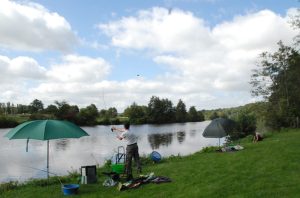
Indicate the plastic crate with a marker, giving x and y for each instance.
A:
(118, 168)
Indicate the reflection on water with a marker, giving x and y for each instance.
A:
(156, 140)
(71, 154)
(62, 144)
(192, 133)
(180, 136)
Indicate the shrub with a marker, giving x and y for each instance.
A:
(7, 122)
(245, 125)
(145, 159)
(39, 116)
(209, 149)
(8, 186)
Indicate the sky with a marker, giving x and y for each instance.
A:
(113, 53)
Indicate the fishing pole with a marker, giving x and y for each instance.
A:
(110, 116)
(95, 159)
(111, 123)
(105, 107)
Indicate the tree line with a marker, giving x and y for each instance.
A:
(276, 79)
(161, 111)
(158, 111)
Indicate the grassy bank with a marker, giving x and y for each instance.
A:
(270, 168)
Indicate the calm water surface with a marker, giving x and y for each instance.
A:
(70, 154)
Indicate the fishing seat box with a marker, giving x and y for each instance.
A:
(89, 173)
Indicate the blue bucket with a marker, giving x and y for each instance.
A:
(70, 189)
(155, 156)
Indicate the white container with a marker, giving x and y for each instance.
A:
(83, 179)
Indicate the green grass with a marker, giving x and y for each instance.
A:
(19, 117)
(270, 168)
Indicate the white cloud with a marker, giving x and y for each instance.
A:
(32, 27)
(215, 62)
(79, 69)
(76, 79)
(160, 30)
(16, 75)
(19, 68)
(253, 31)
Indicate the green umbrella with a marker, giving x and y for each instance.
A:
(46, 130)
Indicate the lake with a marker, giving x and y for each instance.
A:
(70, 154)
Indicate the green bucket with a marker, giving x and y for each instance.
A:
(118, 168)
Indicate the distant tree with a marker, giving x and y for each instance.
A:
(13, 109)
(8, 108)
(103, 113)
(154, 109)
(160, 111)
(295, 21)
(136, 113)
(280, 71)
(66, 111)
(109, 116)
(88, 115)
(22, 108)
(200, 116)
(277, 80)
(245, 125)
(193, 114)
(112, 112)
(214, 115)
(103, 117)
(181, 113)
(36, 106)
(2, 108)
(52, 109)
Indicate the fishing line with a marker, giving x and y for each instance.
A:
(97, 163)
(109, 140)
(103, 98)
(110, 120)
(105, 107)
(46, 172)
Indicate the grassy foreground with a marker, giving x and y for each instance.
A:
(270, 168)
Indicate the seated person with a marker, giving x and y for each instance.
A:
(257, 137)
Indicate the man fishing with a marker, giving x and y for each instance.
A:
(132, 149)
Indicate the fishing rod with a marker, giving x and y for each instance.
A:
(105, 107)
(111, 123)
(97, 163)
(110, 116)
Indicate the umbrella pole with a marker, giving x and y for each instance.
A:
(219, 142)
(47, 159)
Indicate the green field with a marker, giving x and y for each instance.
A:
(270, 168)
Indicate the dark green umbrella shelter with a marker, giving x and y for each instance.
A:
(46, 130)
(218, 128)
